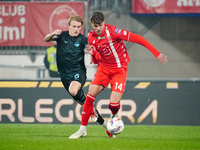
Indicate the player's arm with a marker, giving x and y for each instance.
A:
(142, 41)
(52, 36)
(132, 37)
(95, 57)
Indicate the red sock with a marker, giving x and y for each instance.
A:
(114, 107)
(87, 109)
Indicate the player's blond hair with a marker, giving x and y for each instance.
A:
(76, 18)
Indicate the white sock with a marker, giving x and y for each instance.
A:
(83, 128)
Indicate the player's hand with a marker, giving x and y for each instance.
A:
(52, 36)
(91, 49)
(88, 49)
(57, 32)
(162, 58)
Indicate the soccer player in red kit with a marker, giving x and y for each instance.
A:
(109, 52)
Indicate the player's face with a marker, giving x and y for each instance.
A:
(98, 28)
(74, 28)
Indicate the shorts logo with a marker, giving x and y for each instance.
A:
(154, 3)
(76, 77)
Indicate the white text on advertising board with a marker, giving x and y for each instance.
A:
(44, 111)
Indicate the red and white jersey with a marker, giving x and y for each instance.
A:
(110, 46)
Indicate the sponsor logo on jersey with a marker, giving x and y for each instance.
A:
(76, 77)
(116, 30)
(99, 38)
(120, 31)
(125, 33)
(77, 44)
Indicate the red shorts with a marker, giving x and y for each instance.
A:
(116, 77)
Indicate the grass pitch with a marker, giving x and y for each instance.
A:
(134, 137)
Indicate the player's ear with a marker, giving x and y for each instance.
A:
(103, 23)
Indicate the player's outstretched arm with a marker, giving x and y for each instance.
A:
(162, 58)
(142, 41)
(52, 36)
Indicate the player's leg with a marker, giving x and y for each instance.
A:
(114, 104)
(75, 90)
(97, 85)
(79, 95)
(118, 83)
(94, 90)
(87, 110)
(114, 107)
(101, 80)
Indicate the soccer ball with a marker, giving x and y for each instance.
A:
(115, 125)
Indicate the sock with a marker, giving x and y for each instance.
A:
(80, 96)
(83, 128)
(87, 109)
(114, 107)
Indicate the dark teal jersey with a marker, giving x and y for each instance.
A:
(70, 55)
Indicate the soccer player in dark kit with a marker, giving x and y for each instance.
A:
(70, 61)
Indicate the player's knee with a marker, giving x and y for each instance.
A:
(80, 96)
(95, 89)
(73, 92)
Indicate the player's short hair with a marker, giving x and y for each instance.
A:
(76, 18)
(97, 17)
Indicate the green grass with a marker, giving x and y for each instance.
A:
(55, 137)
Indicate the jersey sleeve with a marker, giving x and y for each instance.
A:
(96, 58)
(59, 36)
(118, 33)
(84, 41)
(142, 41)
(132, 37)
